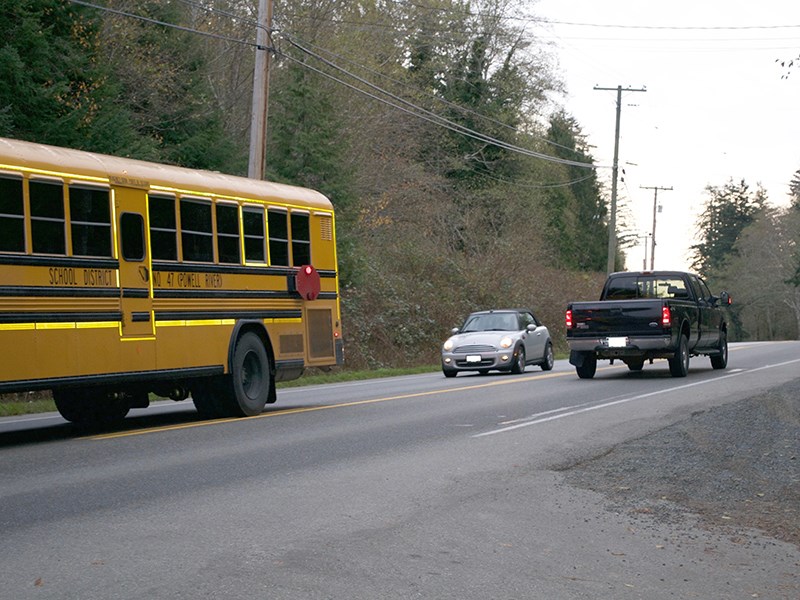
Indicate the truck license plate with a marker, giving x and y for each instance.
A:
(472, 358)
(617, 342)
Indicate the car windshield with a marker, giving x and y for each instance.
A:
(492, 322)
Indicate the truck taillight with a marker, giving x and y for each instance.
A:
(568, 319)
(666, 317)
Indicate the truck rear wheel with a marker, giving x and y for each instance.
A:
(588, 366)
(679, 364)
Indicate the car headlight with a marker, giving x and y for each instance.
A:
(506, 342)
(448, 345)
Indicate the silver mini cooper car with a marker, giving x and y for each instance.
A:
(500, 340)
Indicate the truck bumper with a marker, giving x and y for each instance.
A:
(628, 347)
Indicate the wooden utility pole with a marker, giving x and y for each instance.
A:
(258, 115)
(612, 220)
(655, 205)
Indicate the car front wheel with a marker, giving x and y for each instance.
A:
(549, 359)
(519, 363)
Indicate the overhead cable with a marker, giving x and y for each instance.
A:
(427, 115)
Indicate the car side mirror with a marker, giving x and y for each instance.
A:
(454, 330)
(531, 327)
(725, 298)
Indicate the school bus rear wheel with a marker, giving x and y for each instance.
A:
(249, 382)
(206, 396)
(90, 407)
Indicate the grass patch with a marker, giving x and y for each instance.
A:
(12, 405)
(315, 377)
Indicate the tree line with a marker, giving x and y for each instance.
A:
(752, 248)
(458, 183)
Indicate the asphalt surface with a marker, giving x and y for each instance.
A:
(509, 487)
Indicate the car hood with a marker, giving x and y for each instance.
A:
(482, 338)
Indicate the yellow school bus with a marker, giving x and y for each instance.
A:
(120, 278)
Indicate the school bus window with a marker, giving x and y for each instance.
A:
(12, 215)
(90, 219)
(301, 239)
(197, 236)
(132, 234)
(163, 228)
(228, 233)
(47, 217)
(253, 223)
(278, 237)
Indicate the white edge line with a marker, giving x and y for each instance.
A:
(577, 410)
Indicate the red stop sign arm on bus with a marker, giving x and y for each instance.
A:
(307, 282)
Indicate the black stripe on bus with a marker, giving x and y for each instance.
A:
(112, 378)
(58, 292)
(186, 315)
(177, 267)
(327, 296)
(58, 317)
(212, 268)
(208, 293)
(140, 317)
(290, 365)
(135, 293)
(58, 261)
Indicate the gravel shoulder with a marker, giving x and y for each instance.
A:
(735, 466)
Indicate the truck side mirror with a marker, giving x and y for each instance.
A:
(725, 298)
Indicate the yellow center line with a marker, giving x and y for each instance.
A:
(294, 411)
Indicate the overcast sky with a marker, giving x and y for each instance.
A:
(715, 108)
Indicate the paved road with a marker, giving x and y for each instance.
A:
(410, 487)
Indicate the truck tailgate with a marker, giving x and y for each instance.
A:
(616, 318)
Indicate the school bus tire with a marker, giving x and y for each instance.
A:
(248, 385)
(206, 396)
(89, 407)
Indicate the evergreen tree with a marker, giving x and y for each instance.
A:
(728, 210)
(576, 212)
(160, 76)
(793, 214)
(306, 142)
(53, 84)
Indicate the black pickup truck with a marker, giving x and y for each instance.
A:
(646, 315)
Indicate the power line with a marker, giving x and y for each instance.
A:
(224, 13)
(165, 24)
(453, 105)
(670, 27)
(400, 103)
(430, 116)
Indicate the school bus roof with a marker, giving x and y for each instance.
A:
(67, 163)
